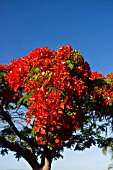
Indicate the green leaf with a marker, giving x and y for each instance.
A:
(58, 47)
(71, 113)
(91, 99)
(110, 166)
(68, 62)
(31, 72)
(32, 132)
(63, 94)
(35, 70)
(24, 99)
(20, 101)
(49, 146)
(110, 104)
(2, 74)
(50, 133)
(71, 66)
(51, 88)
(104, 150)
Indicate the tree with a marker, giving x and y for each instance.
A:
(111, 152)
(109, 149)
(50, 100)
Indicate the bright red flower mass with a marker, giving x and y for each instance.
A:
(57, 85)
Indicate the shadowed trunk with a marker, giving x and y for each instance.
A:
(46, 160)
(47, 164)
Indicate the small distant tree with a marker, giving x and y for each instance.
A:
(111, 152)
(50, 100)
(109, 149)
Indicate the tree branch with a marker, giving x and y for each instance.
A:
(7, 117)
(25, 153)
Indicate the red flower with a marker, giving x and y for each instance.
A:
(55, 84)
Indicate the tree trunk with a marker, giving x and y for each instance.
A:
(47, 164)
(46, 159)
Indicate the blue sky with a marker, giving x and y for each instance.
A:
(85, 24)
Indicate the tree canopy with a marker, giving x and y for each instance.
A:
(50, 100)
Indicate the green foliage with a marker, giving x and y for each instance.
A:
(94, 117)
(49, 146)
(70, 64)
(2, 74)
(32, 132)
(4, 152)
(109, 149)
(100, 81)
(24, 100)
(51, 88)
(104, 150)
(110, 167)
(35, 70)
(18, 156)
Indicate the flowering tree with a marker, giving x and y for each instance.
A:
(50, 100)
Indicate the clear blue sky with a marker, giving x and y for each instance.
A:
(85, 24)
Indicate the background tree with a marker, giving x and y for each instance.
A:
(109, 149)
(50, 100)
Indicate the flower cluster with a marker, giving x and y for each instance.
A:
(6, 93)
(102, 90)
(56, 85)
(57, 82)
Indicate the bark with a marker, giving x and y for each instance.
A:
(46, 159)
(47, 164)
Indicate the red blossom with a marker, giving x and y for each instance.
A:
(60, 82)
